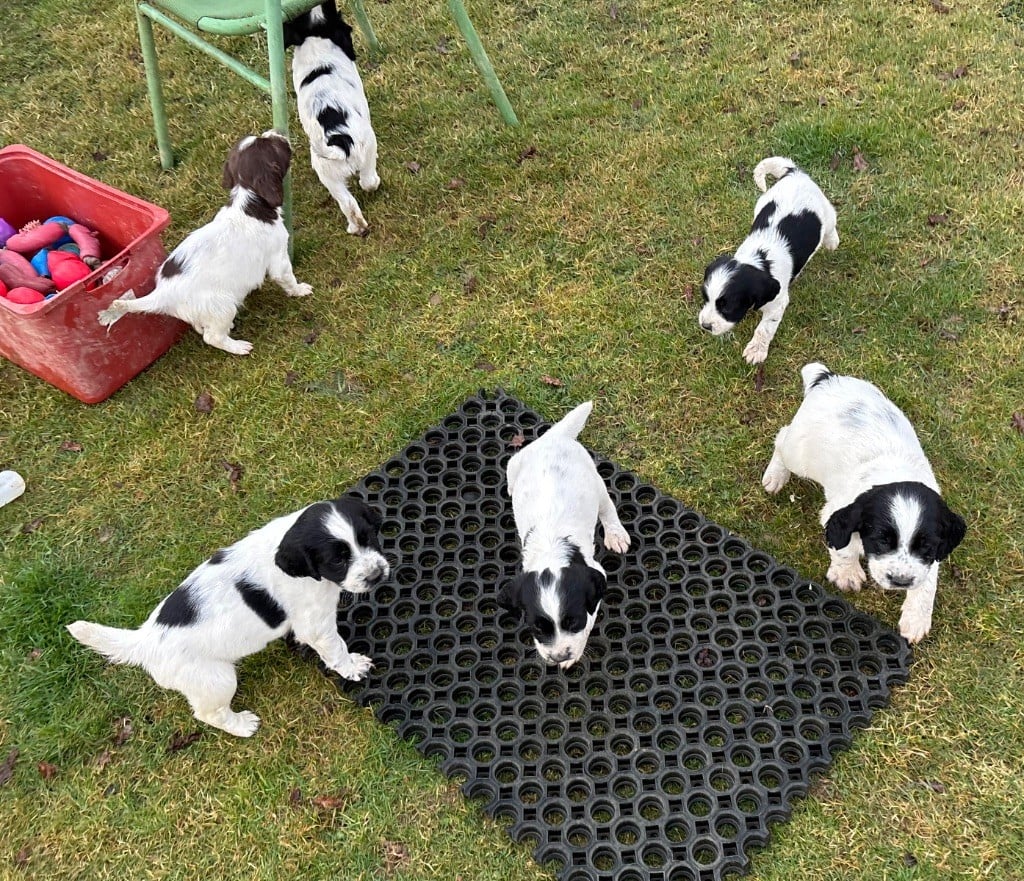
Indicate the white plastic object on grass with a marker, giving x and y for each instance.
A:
(12, 485)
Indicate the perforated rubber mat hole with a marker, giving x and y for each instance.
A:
(716, 683)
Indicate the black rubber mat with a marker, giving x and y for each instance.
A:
(716, 683)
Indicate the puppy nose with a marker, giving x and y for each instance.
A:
(706, 325)
(376, 573)
(899, 580)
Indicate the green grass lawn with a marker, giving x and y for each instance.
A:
(569, 247)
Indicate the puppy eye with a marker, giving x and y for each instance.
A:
(922, 547)
(544, 628)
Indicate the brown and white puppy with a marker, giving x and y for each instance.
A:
(208, 276)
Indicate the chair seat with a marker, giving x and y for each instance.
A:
(232, 17)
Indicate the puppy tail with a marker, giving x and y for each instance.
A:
(572, 423)
(776, 166)
(119, 646)
(814, 374)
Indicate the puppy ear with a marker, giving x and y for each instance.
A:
(296, 555)
(228, 177)
(510, 596)
(843, 524)
(268, 183)
(596, 585)
(952, 531)
(373, 517)
(766, 291)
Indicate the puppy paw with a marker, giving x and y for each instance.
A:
(361, 229)
(370, 184)
(236, 347)
(915, 626)
(243, 724)
(845, 576)
(356, 668)
(775, 478)
(915, 618)
(756, 351)
(108, 316)
(617, 540)
(300, 290)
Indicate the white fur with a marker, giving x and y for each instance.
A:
(558, 495)
(343, 88)
(222, 262)
(793, 193)
(198, 659)
(849, 437)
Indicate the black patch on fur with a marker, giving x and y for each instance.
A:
(822, 377)
(218, 557)
(308, 550)
(316, 73)
(764, 217)
(938, 531)
(171, 267)
(333, 28)
(261, 602)
(179, 609)
(333, 120)
(580, 588)
(802, 233)
(747, 287)
(259, 209)
(342, 141)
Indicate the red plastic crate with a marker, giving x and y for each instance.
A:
(60, 340)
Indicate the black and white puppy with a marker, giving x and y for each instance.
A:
(208, 276)
(791, 221)
(557, 499)
(332, 107)
(881, 498)
(285, 576)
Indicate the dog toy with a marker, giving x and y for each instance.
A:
(24, 296)
(55, 232)
(65, 269)
(13, 278)
(35, 235)
(16, 271)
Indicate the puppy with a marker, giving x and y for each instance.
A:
(332, 107)
(557, 499)
(881, 497)
(285, 576)
(791, 221)
(208, 276)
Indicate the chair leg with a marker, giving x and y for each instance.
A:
(483, 63)
(156, 94)
(278, 68)
(363, 20)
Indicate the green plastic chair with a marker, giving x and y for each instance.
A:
(184, 18)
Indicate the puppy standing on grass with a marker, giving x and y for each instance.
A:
(557, 499)
(881, 498)
(287, 575)
(791, 221)
(208, 276)
(332, 107)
